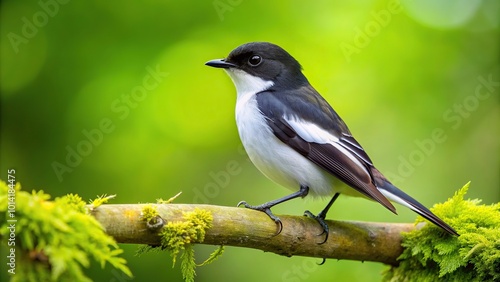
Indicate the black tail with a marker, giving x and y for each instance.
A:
(398, 196)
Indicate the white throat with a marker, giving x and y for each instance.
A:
(246, 84)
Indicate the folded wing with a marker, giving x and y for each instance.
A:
(322, 137)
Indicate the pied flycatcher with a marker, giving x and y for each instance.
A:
(295, 138)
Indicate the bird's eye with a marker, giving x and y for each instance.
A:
(255, 60)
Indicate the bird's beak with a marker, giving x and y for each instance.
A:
(220, 63)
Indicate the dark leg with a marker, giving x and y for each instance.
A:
(320, 218)
(266, 207)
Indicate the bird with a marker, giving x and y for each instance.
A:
(295, 138)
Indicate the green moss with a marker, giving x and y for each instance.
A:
(74, 201)
(169, 201)
(149, 212)
(431, 255)
(188, 264)
(213, 256)
(151, 216)
(100, 200)
(54, 240)
(177, 237)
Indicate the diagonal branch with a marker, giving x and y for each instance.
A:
(362, 241)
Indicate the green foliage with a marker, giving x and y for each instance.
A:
(431, 255)
(54, 239)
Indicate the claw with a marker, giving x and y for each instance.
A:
(264, 208)
(242, 203)
(279, 224)
(321, 220)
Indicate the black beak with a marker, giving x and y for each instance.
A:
(220, 63)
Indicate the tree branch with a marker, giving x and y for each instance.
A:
(240, 227)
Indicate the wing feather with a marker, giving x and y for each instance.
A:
(325, 139)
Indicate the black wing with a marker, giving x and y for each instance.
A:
(315, 110)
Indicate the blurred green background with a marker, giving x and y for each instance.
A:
(113, 97)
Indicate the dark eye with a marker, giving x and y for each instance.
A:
(255, 60)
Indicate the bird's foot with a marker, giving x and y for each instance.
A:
(266, 208)
(320, 218)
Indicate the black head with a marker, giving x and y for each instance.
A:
(266, 61)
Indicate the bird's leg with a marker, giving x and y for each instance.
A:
(320, 218)
(266, 207)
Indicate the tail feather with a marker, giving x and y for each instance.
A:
(400, 197)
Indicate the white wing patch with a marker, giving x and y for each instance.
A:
(314, 134)
(311, 132)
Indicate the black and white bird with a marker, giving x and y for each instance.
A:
(295, 138)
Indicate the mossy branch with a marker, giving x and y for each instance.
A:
(56, 239)
(240, 227)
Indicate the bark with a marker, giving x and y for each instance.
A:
(240, 227)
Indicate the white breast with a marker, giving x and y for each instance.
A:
(272, 157)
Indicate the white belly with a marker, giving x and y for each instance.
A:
(275, 159)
